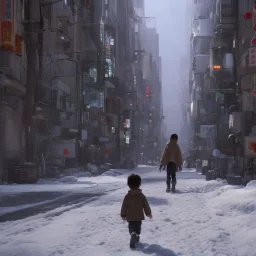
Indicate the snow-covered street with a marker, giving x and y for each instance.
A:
(202, 218)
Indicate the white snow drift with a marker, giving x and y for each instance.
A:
(201, 219)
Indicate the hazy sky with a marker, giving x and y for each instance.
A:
(171, 26)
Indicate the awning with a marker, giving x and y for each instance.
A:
(12, 83)
(109, 85)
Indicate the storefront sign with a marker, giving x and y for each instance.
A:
(7, 25)
(250, 146)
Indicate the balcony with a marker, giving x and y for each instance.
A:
(225, 14)
(12, 65)
(202, 27)
(94, 99)
(202, 11)
(222, 64)
(113, 105)
(47, 113)
(201, 63)
(201, 45)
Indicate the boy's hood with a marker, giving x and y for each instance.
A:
(134, 192)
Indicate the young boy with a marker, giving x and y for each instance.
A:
(171, 158)
(134, 205)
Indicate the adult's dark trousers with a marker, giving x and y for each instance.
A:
(171, 174)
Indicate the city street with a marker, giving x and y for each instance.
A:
(202, 218)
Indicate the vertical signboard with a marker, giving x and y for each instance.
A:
(252, 56)
(18, 44)
(250, 146)
(7, 25)
(8, 39)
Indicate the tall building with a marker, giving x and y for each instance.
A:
(221, 85)
(79, 84)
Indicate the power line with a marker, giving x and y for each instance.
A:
(57, 29)
(50, 2)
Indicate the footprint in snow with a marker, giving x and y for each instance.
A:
(167, 220)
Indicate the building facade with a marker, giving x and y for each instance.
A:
(79, 84)
(221, 87)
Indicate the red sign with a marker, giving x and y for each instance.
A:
(252, 146)
(107, 150)
(248, 15)
(65, 152)
(7, 25)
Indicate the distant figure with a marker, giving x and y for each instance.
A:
(171, 158)
(134, 205)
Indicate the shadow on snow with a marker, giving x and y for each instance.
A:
(156, 249)
(157, 200)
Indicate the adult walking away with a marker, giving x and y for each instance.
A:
(172, 159)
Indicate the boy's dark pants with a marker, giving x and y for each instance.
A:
(171, 174)
(135, 226)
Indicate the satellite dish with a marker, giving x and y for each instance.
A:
(215, 153)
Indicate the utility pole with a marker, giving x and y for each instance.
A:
(32, 25)
(2, 131)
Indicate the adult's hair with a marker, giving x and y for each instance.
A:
(134, 181)
(174, 136)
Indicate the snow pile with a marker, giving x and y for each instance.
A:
(65, 179)
(251, 185)
(201, 219)
(209, 186)
(92, 168)
(83, 174)
(47, 181)
(79, 172)
(73, 171)
(68, 179)
(235, 200)
(113, 173)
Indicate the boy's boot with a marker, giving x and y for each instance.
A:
(173, 186)
(133, 240)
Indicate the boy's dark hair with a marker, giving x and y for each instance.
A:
(134, 181)
(174, 137)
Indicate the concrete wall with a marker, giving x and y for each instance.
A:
(14, 146)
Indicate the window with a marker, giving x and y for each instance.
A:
(69, 3)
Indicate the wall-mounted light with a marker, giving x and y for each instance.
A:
(216, 67)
